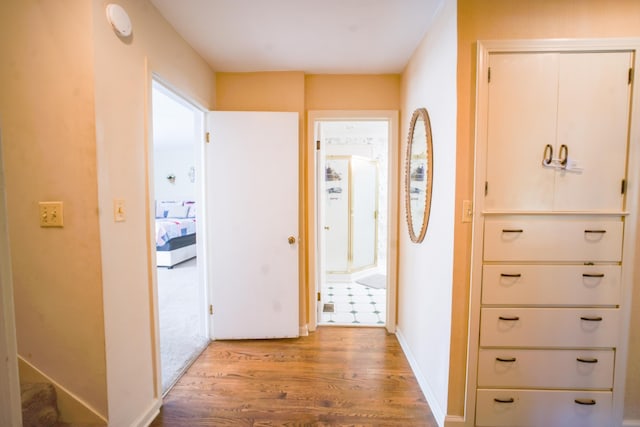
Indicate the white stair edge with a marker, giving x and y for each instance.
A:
(67, 399)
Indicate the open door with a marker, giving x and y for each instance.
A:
(252, 217)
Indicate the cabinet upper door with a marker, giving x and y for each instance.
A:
(577, 104)
(522, 113)
(593, 123)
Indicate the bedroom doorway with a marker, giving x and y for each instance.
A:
(352, 217)
(177, 197)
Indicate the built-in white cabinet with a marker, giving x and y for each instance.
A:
(557, 126)
(549, 245)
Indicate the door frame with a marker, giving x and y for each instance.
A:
(150, 207)
(631, 209)
(393, 206)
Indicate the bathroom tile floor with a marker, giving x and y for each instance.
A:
(353, 304)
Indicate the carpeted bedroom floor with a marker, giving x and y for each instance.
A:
(182, 336)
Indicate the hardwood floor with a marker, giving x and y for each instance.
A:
(336, 376)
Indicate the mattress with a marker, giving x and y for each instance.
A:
(168, 229)
(177, 243)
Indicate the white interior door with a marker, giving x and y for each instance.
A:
(252, 212)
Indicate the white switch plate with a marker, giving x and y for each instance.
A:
(119, 210)
(467, 211)
(51, 214)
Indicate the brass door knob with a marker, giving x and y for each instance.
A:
(291, 240)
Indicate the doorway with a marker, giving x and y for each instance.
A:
(352, 211)
(177, 195)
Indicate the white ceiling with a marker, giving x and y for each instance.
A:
(325, 36)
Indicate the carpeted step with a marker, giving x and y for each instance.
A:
(39, 405)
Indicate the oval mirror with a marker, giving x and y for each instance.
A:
(418, 175)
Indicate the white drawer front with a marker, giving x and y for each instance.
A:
(549, 327)
(551, 285)
(533, 408)
(562, 239)
(578, 369)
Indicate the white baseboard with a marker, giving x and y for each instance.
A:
(150, 414)
(631, 423)
(303, 330)
(438, 413)
(454, 421)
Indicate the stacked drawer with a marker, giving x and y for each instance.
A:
(549, 320)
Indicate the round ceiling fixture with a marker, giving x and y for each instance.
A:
(119, 20)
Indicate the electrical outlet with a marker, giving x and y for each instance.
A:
(119, 210)
(51, 214)
(467, 211)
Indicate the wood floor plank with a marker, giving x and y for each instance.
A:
(337, 376)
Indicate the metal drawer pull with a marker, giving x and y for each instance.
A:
(509, 400)
(512, 230)
(592, 274)
(564, 155)
(595, 231)
(514, 318)
(587, 360)
(585, 401)
(547, 156)
(510, 275)
(591, 318)
(506, 359)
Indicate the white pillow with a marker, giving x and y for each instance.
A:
(177, 211)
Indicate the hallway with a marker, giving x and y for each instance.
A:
(335, 376)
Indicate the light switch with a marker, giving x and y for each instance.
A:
(119, 210)
(51, 214)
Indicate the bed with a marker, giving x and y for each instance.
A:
(175, 236)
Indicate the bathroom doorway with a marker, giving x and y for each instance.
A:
(352, 203)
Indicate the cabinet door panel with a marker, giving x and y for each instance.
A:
(568, 369)
(551, 284)
(533, 408)
(593, 122)
(521, 121)
(549, 327)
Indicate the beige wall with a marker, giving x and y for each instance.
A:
(262, 91)
(76, 133)
(295, 91)
(425, 269)
(352, 92)
(122, 93)
(48, 133)
(507, 19)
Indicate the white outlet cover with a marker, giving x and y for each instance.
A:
(119, 20)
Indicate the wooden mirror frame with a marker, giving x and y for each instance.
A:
(420, 115)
